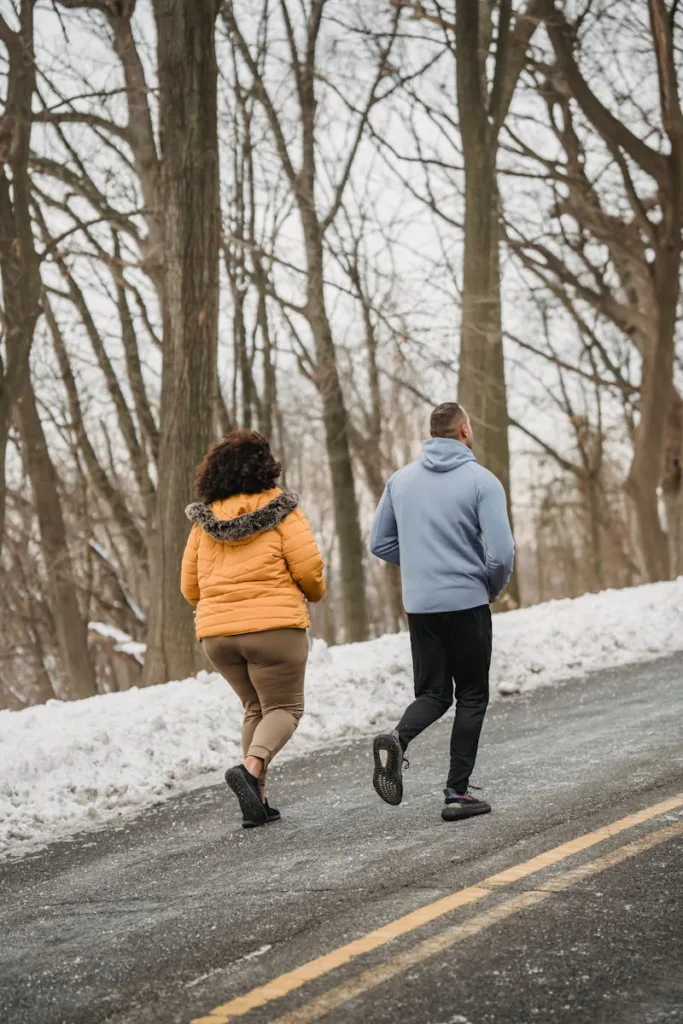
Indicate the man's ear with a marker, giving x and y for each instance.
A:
(431, 433)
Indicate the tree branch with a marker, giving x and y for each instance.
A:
(108, 7)
(416, 7)
(9, 37)
(111, 494)
(594, 378)
(548, 449)
(262, 94)
(81, 117)
(500, 73)
(561, 37)
(662, 38)
(526, 23)
(294, 53)
(360, 130)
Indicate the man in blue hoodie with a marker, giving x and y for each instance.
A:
(443, 519)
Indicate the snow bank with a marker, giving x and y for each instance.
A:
(68, 766)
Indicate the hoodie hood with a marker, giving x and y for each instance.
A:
(246, 524)
(442, 454)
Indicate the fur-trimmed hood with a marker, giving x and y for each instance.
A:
(246, 525)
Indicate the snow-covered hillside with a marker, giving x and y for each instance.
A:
(68, 766)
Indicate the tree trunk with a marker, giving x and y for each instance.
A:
(269, 402)
(656, 394)
(75, 668)
(351, 549)
(190, 185)
(482, 388)
(479, 299)
(672, 483)
(593, 510)
(673, 502)
(329, 622)
(335, 420)
(19, 264)
(395, 610)
(223, 422)
(242, 360)
(481, 381)
(646, 467)
(496, 437)
(650, 540)
(656, 390)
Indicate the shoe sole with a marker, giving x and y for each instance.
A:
(388, 779)
(268, 821)
(453, 814)
(253, 810)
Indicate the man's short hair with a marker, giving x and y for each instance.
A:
(446, 419)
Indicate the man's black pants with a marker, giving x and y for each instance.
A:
(450, 648)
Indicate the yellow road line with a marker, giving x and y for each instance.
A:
(322, 965)
(336, 997)
(609, 860)
(550, 857)
(291, 980)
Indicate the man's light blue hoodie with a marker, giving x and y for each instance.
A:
(444, 520)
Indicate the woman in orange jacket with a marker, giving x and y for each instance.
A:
(250, 564)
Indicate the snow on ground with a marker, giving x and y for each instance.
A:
(69, 766)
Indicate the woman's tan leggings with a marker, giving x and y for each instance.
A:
(266, 671)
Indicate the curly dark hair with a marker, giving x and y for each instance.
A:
(240, 463)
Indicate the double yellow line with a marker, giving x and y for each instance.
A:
(317, 968)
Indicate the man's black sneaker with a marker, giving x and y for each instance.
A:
(271, 815)
(245, 787)
(462, 805)
(388, 775)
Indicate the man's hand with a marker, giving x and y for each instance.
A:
(492, 599)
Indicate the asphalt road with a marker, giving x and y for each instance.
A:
(178, 911)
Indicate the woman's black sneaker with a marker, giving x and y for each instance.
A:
(271, 815)
(245, 786)
(388, 775)
(462, 805)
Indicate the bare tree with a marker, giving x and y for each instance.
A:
(373, 413)
(644, 248)
(579, 454)
(20, 267)
(248, 248)
(488, 43)
(179, 189)
(75, 667)
(483, 105)
(19, 263)
(190, 187)
(303, 172)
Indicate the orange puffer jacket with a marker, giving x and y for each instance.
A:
(250, 563)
